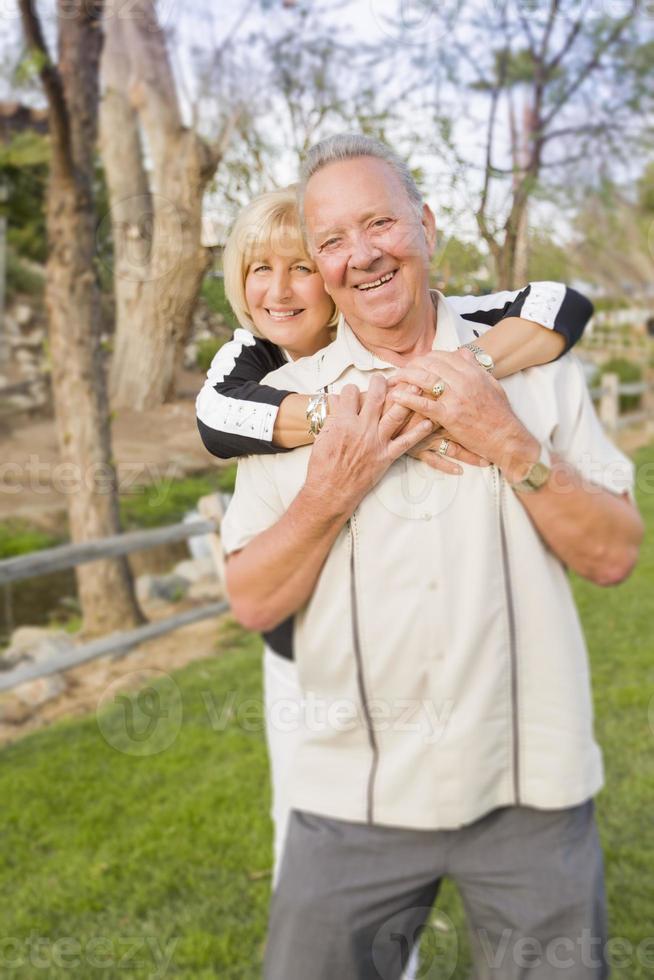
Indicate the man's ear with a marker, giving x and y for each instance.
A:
(428, 222)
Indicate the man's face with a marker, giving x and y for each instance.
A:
(371, 247)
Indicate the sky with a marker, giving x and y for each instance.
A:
(408, 25)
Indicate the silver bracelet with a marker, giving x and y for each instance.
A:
(317, 411)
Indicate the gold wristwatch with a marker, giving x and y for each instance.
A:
(483, 359)
(537, 475)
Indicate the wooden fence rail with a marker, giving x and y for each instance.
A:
(70, 555)
(117, 643)
(608, 395)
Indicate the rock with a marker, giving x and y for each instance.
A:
(206, 590)
(35, 693)
(20, 402)
(166, 588)
(11, 327)
(23, 356)
(37, 644)
(196, 569)
(22, 314)
(190, 356)
(14, 712)
(34, 338)
(32, 370)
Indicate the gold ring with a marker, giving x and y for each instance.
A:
(443, 447)
(438, 389)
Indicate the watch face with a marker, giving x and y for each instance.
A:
(485, 360)
(539, 475)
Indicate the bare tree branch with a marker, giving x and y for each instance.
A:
(551, 19)
(591, 65)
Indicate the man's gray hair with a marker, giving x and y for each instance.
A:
(351, 146)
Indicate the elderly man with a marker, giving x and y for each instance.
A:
(438, 645)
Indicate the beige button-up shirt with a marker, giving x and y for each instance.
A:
(441, 657)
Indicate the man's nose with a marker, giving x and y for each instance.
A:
(363, 252)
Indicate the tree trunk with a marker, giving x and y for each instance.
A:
(73, 305)
(527, 160)
(154, 304)
(160, 261)
(72, 300)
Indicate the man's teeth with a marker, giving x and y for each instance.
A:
(377, 282)
(283, 314)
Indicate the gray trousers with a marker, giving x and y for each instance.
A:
(353, 899)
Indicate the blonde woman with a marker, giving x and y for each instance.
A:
(279, 299)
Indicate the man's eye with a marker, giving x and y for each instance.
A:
(380, 222)
(330, 243)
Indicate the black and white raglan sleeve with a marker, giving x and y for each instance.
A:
(235, 412)
(550, 304)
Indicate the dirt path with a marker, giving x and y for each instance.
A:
(89, 683)
(150, 448)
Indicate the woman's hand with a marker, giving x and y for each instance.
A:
(357, 444)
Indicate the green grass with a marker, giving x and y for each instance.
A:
(18, 537)
(168, 501)
(165, 848)
(98, 842)
(154, 506)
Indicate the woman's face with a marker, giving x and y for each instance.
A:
(288, 303)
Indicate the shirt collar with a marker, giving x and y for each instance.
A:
(347, 351)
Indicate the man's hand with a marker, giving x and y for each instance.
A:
(357, 444)
(474, 409)
(427, 450)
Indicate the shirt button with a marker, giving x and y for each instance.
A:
(432, 586)
(426, 517)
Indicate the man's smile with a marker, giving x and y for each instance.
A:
(376, 283)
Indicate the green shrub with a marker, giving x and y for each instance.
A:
(607, 304)
(167, 501)
(206, 352)
(628, 372)
(20, 279)
(213, 292)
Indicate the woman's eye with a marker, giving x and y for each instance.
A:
(304, 268)
(260, 268)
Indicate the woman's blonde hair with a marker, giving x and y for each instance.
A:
(270, 221)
